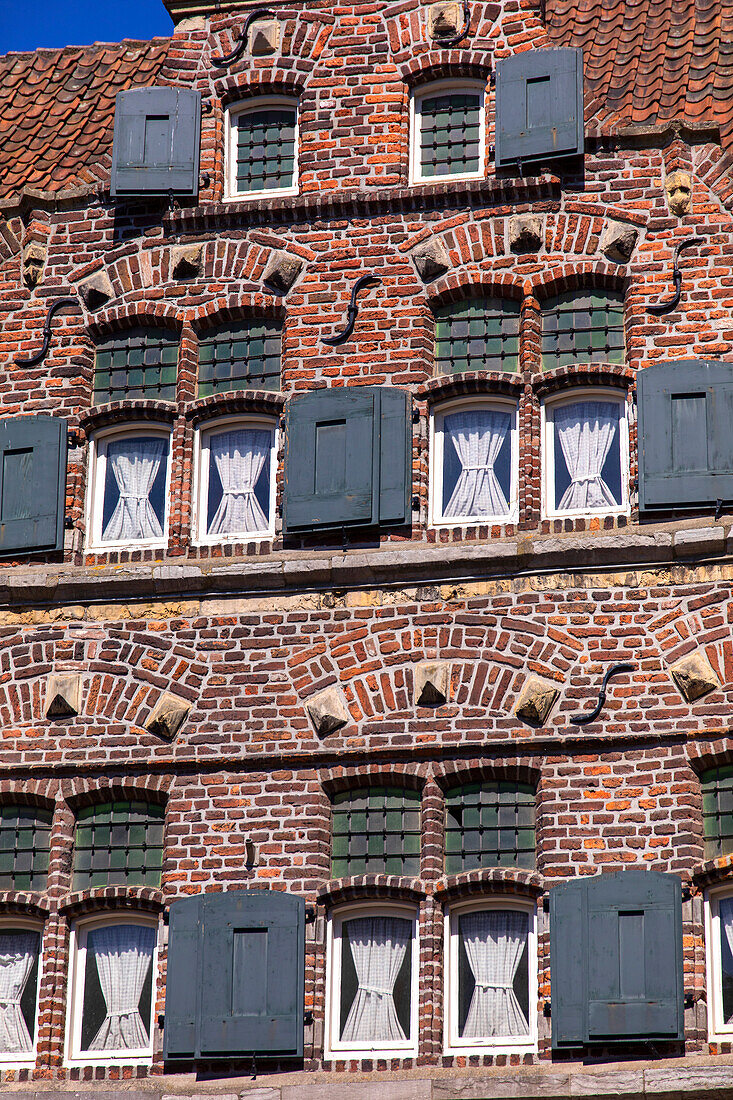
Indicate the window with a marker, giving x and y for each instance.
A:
(448, 132)
(263, 148)
(491, 976)
(20, 952)
(236, 480)
(25, 837)
(719, 952)
(128, 487)
(717, 811)
(376, 830)
(112, 989)
(586, 459)
(141, 363)
(583, 328)
(243, 356)
(489, 824)
(118, 844)
(477, 334)
(372, 981)
(474, 463)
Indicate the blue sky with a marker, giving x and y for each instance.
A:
(29, 24)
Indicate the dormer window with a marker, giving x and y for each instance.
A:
(263, 148)
(448, 132)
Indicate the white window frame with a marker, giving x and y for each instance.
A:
(25, 924)
(584, 393)
(201, 476)
(80, 930)
(334, 1048)
(452, 1042)
(718, 1031)
(96, 476)
(437, 446)
(249, 106)
(427, 92)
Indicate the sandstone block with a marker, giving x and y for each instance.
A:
(327, 710)
(96, 290)
(282, 270)
(34, 261)
(264, 37)
(431, 681)
(187, 261)
(618, 242)
(694, 676)
(678, 189)
(525, 233)
(444, 20)
(536, 700)
(168, 716)
(431, 260)
(63, 694)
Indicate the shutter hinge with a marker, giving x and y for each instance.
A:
(68, 523)
(73, 437)
(547, 1009)
(416, 503)
(204, 180)
(718, 508)
(310, 914)
(546, 903)
(492, 78)
(308, 1017)
(161, 1020)
(166, 916)
(415, 416)
(206, 106)
(689, 1000)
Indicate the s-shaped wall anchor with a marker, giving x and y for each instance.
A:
(451, 42)
(230, 58)
(343, 336)
(669, 305)
(41, 355)
(584, 719)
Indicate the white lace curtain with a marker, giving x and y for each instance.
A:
(477, 437)
(135, 464)
(123, 954)
(18, 951)
(494, 941)
(586, 431)
(378, 946)
(239, 457)
(725, 909)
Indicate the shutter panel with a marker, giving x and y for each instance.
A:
(685, 441)
(252, 967)
(539, 105)
(156, 142)
(395, 456)
(32, 484)
(182, 979)
(568, 956)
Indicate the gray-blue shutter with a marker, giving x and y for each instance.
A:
(252, 974)
(568, 958)
(395, 455)
(539, 105)
(685, 440)
(157, 139)
(32, 484)
(182, 981)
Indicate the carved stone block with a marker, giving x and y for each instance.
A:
(96, 290)
(431, 260)
(187, 261)
(678, 189)
(168, 716)
(282, 270)
(63, 695)
(264, 37)
(618, 242)
(328, 711)
(536, 700)
(525, 233)
(694, 676)
(34, 261)
(431, 683)
(444, 20)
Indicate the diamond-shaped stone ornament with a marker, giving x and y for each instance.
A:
(282, 270)
(168, 715)
(694, 676)
(264, 37)
(63, 694)
(444, 20)
(431, 682)
(96, 290)
(328, 711)
(431, 260)
(536, 700)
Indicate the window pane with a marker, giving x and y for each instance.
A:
(25, 833)
(375, 980)
(384, 841)
(116, 1009)
(477, 334)
(239, 481)
(473, 839)
(106, 854)
(587, 448)
(19, 950)
(241, 356)
(717, 811)
(477, 464)
(583, 328)
(142, 362)
(725, 910)
(265, 149)
(450, 134)
(134, 488)
(493, 974)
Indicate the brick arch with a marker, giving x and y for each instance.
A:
(454, 773)
(409, 42)
(568, 275)
(472, 283)
(32, 792)
(339, 779)
(303, 37)
(84, 791)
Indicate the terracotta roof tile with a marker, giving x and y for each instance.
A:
(57, 109)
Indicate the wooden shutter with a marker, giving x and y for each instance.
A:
(568, 956)
(32, 484)
(539, 105)
(395, 455)
(156, 142)
(685, 438)
(182, 981)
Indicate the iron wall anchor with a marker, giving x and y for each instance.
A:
(584, 719)
(230, 58)
(451, 42)
(669, 305)
(343, 336)
(41, 355)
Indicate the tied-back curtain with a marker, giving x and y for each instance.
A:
(135, 464)
(18, 952)
(123, 953)
(494, 941)
(378, 946)
(725, 909)
(239, 457)
(477, 437)
(586, 431)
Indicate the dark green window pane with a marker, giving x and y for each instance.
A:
(477, 334)
(145, 365)
(381, 839)
(489, 824)
(450, 134)
(586, 328)
(717, 811)
(266, 149)
(25, 834)
(120, 843)
(237, 357)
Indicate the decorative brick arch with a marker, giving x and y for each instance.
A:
(83, 791)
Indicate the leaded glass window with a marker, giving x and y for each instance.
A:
(477, 334)
(142, 362)
(265, 145)
(449, 133)
(583, 328)
(25, 836)
(489, 824)
(717, 811)
(118, 844)
(241, 356)
(376, 830)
